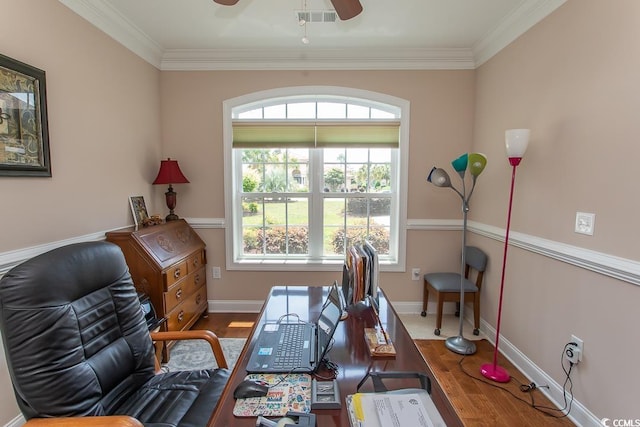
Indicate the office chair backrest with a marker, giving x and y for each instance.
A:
(476, 258)
(73, 329)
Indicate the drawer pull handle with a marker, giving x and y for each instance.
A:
(196, 262)
(196, 279)
(176, 273)
(180, 316)
(198, 299)
(179, 294)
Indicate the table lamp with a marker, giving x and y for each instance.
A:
(170, 173)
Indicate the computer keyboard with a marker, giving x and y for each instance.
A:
(289, 353)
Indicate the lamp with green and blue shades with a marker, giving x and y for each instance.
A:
(476, 163)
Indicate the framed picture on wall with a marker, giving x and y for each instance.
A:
(24, 133)
(138, 209)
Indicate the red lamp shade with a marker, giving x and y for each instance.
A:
(170, 173)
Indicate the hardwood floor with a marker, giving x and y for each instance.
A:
(228, 325)
(477, 404)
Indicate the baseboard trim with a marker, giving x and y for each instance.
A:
(235, 306)
(579, 414)
(18, 421)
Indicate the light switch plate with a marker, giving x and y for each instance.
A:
(585, 223)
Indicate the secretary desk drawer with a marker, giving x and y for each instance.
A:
(181, 290)
(175, 273)
(184, 312)
(196, 261)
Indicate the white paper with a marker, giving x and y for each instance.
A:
(401, 410)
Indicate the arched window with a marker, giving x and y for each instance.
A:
(313, 172)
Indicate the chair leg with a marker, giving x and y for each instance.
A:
(425, 299)
(439, 314)
(476, 314)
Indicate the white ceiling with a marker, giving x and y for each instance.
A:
(265, 34)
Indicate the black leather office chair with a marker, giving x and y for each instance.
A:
(77, 345)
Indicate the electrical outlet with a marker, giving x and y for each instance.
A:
(415, 274)
(574, 351)
(217, 274)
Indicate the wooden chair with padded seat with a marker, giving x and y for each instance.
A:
(446, 287)
(79, 351)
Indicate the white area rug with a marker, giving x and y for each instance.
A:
(196, 354)
(422, 327)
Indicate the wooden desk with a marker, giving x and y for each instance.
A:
(349, 352)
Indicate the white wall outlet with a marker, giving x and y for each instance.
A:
(415, 274)
(217, 274)
(585, 223)
(574, 350)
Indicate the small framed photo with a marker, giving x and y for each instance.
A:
(138, 209)
(24, 130)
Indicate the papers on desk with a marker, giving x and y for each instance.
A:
(394, 409)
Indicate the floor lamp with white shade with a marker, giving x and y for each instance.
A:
(516, 141)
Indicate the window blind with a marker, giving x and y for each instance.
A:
(264, 134)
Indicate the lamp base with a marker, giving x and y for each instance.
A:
(460, 345)
(171, 217)
(495, 373)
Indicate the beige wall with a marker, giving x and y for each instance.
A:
(104, 129)
(572, 80)
(442, 104)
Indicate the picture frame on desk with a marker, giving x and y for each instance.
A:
(138, 210)
(24, 129)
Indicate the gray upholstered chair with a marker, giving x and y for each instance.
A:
(446, 287)
(79, 351)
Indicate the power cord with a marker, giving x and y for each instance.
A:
(529, 388)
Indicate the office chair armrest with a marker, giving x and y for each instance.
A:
(208, 336)
(106, 421)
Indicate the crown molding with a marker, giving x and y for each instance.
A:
(513, 26)
(317, 59)
(110, 21)
(106, 18)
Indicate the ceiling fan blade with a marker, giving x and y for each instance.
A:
(347, 9)
(226, 2)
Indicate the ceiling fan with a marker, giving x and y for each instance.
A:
(346, 9)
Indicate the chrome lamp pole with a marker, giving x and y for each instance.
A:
(476, 163)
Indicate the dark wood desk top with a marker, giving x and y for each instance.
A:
(349, 352)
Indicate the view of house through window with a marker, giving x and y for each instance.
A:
(313, 178)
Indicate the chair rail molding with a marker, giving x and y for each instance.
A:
(609, 265)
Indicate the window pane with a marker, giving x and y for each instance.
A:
(275, 179)
(380, 155)
(333, 219)
(275, 112)
(298, 170)
(252, 177)
(357, 112)
(379, 114)
(334, 155)
(380, 178)
(301, 110)
(334, 178)
(332, 110)
(251, 114)
(358, 155)
(357, 177)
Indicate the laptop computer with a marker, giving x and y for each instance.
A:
(296, 347)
